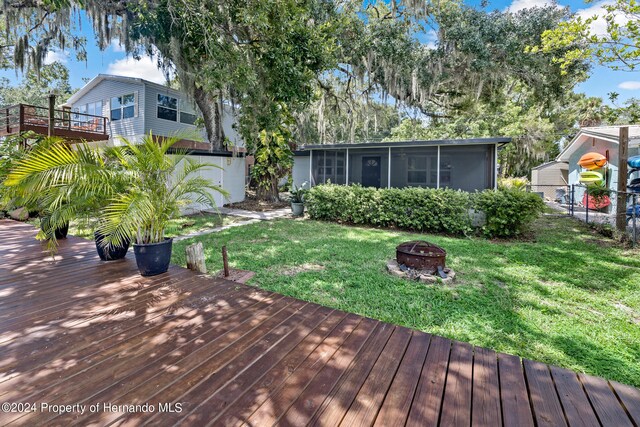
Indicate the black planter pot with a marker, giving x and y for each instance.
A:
(60, 233)
(110, 253)
(153, 258)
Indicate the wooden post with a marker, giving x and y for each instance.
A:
(623, 156)
(195, 258)
(225, 261)
(52, 114)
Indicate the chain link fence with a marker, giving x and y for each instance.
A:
(597, 207)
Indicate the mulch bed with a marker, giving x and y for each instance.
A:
(251, 203)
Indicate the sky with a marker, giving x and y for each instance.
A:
(114, 60)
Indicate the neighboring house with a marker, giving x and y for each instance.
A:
(465, 164)
(546, 177)
(134, 107)
(603, 140)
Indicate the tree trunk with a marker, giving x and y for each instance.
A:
(621, 203)
(270, 193)
(211, 110)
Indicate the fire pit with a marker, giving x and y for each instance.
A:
(420, 260)
(421, 255)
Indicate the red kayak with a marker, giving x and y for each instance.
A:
(591, 161)
(596, 203)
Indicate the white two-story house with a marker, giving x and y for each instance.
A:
(134, 107)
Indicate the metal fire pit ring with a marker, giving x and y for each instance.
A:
(421, 255)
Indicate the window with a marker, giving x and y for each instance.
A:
(123, 107)
(422, 170)
(95, 109)
(167, 108)
(187, 114)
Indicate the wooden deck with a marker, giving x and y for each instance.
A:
(77, 331)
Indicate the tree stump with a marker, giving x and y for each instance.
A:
(195, 258)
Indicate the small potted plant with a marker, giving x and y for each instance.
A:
(296, 197)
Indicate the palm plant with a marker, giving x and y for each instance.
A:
(131, 190)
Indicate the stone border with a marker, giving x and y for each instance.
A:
(394, 269)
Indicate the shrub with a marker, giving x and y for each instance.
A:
(419, 209)
(508, 211)
(424, 209)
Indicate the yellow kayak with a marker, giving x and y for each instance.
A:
(591, 177)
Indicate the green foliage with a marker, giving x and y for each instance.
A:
(133, 190)
(35, 87)
(273, 161)
(578, 39)
(508, 211)
(519, 184)
(12, 150)
(419, 209)
(297, 194)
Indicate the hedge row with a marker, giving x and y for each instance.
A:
(424, 209)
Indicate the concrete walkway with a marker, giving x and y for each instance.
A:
(251, 217)
(268, 215)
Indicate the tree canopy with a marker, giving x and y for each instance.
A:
(331, 71)
(611, 38)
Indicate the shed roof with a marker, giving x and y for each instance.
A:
(551, 163)
(414, 143)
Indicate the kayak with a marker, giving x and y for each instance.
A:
(630, 211)
(596, 202)
(592, 161)
(591, 177)
(633, 162)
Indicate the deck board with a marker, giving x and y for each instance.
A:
(77, 330)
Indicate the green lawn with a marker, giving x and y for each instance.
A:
(570, 297)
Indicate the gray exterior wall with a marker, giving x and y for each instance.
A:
(107, 89)
(166, 127)
(300, 171)
(146, 118)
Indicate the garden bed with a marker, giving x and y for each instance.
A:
(560, 299)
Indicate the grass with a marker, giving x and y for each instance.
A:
(569, 297)
(177, 227)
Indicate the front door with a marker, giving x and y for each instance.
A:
(371, 171)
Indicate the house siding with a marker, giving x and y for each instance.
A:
(546, 179)
(107, 89)
(166, 127)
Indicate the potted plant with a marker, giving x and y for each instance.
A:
(296, 197)
(140, 186)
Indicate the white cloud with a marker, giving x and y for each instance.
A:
(519, 5)
(431, 39)
(116, 46)
(599, 26)
(630, 85)
(146, 68)
(56, 56)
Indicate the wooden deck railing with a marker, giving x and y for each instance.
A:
(19, 118)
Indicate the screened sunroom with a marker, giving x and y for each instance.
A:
(468, 164)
